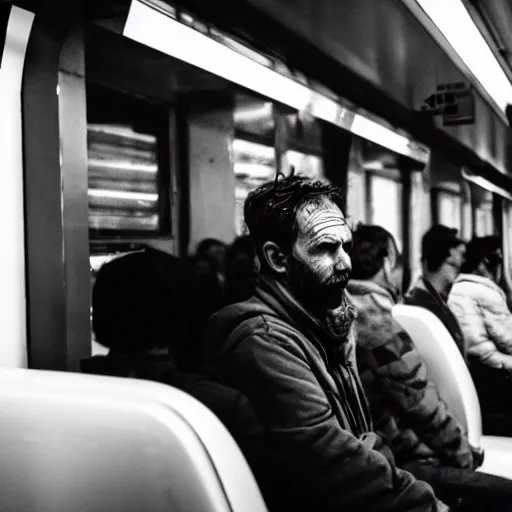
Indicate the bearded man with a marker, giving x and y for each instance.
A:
(290, 350)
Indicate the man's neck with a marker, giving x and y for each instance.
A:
(439, 283)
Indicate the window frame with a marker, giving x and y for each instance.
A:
(163, 126)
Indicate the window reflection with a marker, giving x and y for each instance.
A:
(450, 209)
(484, 223)
(254, 164)
(386, 206)
(123, 173)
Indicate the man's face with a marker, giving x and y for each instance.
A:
(319, 267)
(452, 265)
(217, 254)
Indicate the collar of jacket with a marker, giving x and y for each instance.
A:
(384, 297)
(484, 281)
(424, 284)
(277, 297)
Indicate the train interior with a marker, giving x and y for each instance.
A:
(155, 144)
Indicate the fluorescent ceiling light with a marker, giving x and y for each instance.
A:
(485, 184)
(453, 20)
(153, 28)
(379, 134)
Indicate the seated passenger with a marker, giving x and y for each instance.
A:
(208, 297)
(141, 305)
(240, 270)
(214, 251)
(424, 437)
(481, 305)
(289, 349)
(442, 255)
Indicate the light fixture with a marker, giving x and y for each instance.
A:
(454, 21)
(153, 28)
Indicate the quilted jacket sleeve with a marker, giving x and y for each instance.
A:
(323, 466)
(486, 322)
(397, 364)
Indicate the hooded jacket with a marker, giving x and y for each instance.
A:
(481, 308)
(406, 407)
(306, 392)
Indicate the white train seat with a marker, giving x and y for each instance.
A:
(448, 371)
(102, 444)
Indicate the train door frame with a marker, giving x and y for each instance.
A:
(55, 208)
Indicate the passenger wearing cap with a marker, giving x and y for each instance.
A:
(442, 256)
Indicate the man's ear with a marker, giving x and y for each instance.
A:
(274, 258)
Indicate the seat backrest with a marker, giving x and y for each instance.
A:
(445, 365)
(98, 444)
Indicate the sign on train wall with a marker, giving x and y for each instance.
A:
(455, 102)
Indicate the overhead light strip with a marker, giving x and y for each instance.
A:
(454, 22)
(485, 184)
(155, 29)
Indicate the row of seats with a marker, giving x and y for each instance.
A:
(73, 442)
(98, 444)
(450, 374)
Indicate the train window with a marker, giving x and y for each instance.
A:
(302, 164)
(356, 198)
(267, 135)
(128, 165)
(254, 118)
(484, 222)
(449, 205)
(254, 164)
(386, 205)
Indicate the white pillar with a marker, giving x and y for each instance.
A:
(13, 325)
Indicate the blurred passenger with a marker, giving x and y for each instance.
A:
(141, 311)
(240, 270)
(289, 349)
(208, 298)
(214, 251)
(442, 256)
(481, 305)
(423, 435)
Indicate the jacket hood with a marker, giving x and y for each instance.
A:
(359, 289)
(222, 324)
(480, 280)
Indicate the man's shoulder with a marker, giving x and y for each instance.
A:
(267, 328)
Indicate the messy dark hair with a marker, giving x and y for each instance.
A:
(482, 249)
(370, 247)
(271, 210)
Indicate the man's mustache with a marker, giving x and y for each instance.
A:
(340, 279)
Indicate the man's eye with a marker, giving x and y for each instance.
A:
(328, 246)
(348, 246)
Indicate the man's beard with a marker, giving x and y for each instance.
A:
(324, 299)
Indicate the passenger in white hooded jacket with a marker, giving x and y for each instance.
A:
(481, 305)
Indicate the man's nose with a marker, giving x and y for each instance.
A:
(343, 261)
